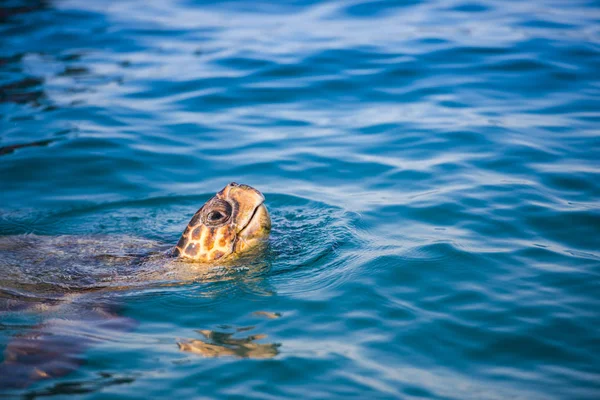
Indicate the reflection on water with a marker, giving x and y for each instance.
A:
(267, 314)
(82, 387)
(222, 344)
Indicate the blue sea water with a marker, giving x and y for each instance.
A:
(431, 168)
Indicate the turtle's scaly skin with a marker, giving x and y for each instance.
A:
(233, 221)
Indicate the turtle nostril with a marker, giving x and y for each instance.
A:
(233, 184)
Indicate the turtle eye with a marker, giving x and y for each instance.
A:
(217, 212)
(214, 216)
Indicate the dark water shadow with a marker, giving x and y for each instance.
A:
(4, 150)
(9, 10)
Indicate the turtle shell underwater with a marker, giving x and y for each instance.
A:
(55, 272)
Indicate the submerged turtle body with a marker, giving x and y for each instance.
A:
(230, 224)
(43, 272)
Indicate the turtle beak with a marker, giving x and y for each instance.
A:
(244, 200)
(250, 218)
(256, 230)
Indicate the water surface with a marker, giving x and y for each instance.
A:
(431, 168)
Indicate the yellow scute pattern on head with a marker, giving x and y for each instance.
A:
(233, 221)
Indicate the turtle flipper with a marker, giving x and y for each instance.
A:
(56, 347)
(40, 354)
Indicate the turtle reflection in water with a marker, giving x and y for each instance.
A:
(66, 274)
(219, 344)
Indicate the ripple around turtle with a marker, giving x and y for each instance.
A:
(308, 242)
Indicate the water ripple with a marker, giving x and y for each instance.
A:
(430, 168)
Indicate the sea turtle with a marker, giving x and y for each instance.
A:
(67, 273)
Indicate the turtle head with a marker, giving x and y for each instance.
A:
(234, 221)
